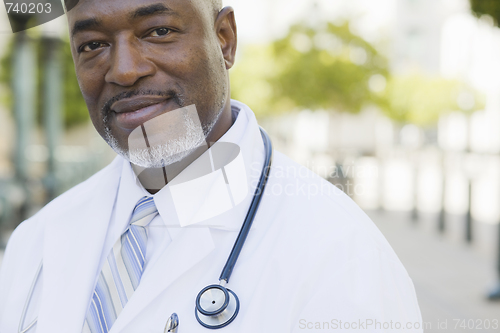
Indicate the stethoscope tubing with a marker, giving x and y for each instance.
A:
(216, 318)
(254, 206)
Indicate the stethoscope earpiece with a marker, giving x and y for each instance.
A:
(216, 306)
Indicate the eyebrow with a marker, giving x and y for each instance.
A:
(93, 23)
(85, 25)
(154, 9)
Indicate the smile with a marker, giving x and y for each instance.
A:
(131, 113)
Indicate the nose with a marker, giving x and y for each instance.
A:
(128, 64)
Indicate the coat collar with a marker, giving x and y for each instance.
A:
(74, 237)
(73, 256)
(217, 198)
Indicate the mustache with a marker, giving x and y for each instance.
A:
(172, 94)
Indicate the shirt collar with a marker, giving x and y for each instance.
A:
(205, 201)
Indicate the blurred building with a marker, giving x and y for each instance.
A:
(416, 36)
(417, 42)
(405, 168)
(401, 167)
(451, 169)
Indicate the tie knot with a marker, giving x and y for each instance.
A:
(144, 212)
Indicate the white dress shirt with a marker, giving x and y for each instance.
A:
(159, 231)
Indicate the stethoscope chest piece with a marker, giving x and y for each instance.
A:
(216, 306)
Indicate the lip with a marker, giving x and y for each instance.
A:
(132, 112)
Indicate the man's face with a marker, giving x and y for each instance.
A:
(138, 59)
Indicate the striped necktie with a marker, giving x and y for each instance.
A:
(122, 271)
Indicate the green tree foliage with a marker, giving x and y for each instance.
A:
(74, 108)
(486, 7)
(326, 68)
(250, 78)
(420, 99)
(333, 69)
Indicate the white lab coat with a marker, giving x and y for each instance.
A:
(311, 260)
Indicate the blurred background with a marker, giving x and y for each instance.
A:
(396, 102)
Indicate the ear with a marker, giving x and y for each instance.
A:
(225, 28)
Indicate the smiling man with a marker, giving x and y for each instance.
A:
(134, 244)
(132, 66)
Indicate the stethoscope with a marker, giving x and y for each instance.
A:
(216, 305)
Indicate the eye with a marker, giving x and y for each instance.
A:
(92, 46)
(160, 32)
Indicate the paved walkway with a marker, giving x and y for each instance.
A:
(451, 279)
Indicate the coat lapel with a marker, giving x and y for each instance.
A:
(189, 246)
(73, 245)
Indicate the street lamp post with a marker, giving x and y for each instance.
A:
(442, 211)
(53, 100)
(494, 295)
(24, 74)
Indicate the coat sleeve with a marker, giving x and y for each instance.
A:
(373, 293)
(14, 248)
(17, 270)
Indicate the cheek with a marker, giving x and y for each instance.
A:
(186, 61)
(91, 90)
(91, 82)
(183, 66)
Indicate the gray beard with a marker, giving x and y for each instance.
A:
(169, 152)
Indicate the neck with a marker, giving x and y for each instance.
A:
(154, 179)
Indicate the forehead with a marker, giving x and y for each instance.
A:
(110, 9)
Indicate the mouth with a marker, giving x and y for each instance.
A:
(131, 113)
